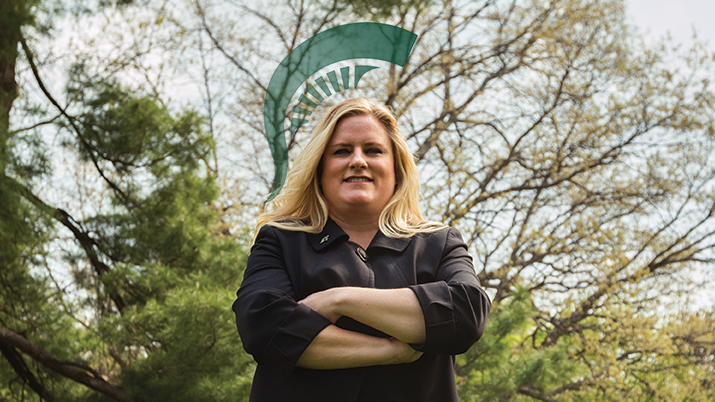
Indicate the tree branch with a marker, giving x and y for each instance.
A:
(525, 390)
(20, 367)
(87, 243)
(75, 371)
(70, 119)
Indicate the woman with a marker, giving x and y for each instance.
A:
(349, 294)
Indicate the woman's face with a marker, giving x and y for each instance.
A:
(358, 166)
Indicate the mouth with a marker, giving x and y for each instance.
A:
(358, 179)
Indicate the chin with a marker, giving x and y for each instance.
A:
(359, 202)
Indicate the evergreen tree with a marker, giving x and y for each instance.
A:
(146, 314)
(576, 161)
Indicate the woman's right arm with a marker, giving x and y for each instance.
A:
(273, 327)
(337, 348)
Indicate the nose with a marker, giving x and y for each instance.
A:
(358, 159)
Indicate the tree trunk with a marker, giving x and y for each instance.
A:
(13, 15)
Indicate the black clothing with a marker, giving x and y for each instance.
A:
(287, 266)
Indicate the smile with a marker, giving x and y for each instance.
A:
(358, 179)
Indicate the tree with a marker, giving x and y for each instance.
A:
(135, 307)
(575, 160)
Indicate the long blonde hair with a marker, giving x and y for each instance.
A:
(301, 206)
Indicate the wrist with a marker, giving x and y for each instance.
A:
(350, 300)
(341, 300)
(338, 302)
(398, 352)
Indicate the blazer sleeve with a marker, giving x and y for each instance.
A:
(455, 306)
(273, 327)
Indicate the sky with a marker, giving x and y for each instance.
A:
(658, 17)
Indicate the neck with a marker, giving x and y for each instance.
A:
(360, 229)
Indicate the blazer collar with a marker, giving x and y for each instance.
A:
(332, 232)
(396, 244)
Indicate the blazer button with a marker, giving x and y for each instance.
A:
(362, 254)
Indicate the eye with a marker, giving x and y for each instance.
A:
(341, 151)
(374, 151)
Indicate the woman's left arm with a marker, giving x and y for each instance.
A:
(396, 312)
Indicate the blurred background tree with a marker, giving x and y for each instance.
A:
(577, 162)
(117, 288)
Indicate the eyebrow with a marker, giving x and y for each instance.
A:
(347, 144)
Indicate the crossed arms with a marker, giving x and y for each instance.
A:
(444, 315)
(396, 312)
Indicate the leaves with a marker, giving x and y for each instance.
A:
(574, 159)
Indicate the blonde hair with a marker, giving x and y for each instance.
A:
(301, 206)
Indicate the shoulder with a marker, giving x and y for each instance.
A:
(448, 244)
(275, 232)
(444, 236)
(431, 247)
(279, 240)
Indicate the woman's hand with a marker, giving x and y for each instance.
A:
(403, 353)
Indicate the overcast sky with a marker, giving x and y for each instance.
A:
(675, 16)
(658, 17)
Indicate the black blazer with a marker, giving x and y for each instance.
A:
(286, 266)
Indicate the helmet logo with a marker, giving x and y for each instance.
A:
(365, 40)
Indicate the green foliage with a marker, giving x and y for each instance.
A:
(514, 361)
(14, 14)
(133, 132)
(504, 360)
(193, 353)
(162, 270)
(173, 269)
(30, 304)
(576, 161)
(27, 157)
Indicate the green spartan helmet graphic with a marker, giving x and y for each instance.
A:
(365, 40)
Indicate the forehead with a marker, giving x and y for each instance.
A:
(360, 129)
